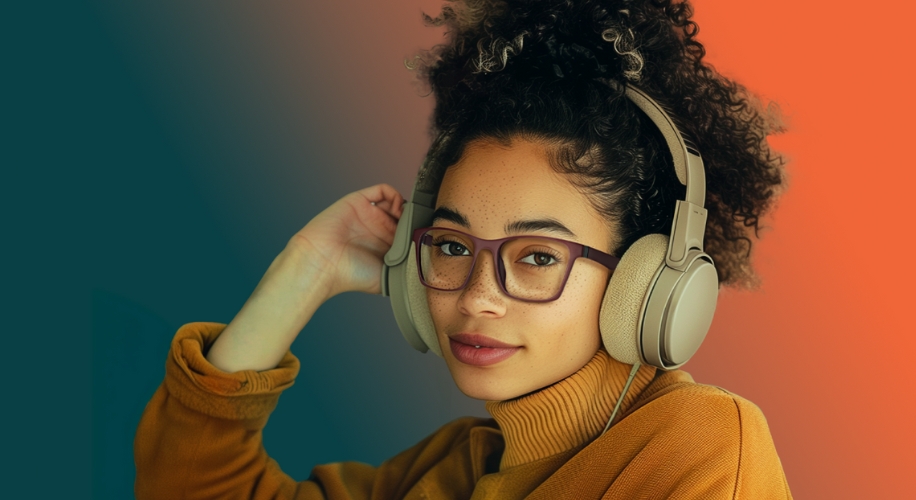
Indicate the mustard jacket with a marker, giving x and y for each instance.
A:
(200, 437)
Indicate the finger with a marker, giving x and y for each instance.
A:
(398, 208)
(380, 193)
(393, 208)
(385, 197)
(382, 224)
(388, 224)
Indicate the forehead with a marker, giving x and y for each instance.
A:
(494, 184)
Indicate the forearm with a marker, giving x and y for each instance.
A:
(279, 308)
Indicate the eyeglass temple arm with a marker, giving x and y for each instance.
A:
(606, 260)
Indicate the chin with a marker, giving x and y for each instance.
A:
(484, 392)
(490, 385)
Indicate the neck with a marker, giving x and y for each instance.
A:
(568, 414)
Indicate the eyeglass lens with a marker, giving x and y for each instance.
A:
(535, 268)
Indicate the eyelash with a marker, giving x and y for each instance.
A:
(442, 242)
(548, 252)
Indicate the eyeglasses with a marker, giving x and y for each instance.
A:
(528, 268)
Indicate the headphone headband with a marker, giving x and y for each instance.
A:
(688, 164)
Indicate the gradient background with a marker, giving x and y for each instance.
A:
(157, 156)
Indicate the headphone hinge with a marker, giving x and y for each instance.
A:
(687, 231)
(417, 213)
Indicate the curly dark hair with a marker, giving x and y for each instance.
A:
(542, 70)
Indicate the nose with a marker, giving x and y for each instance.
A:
(482, 297)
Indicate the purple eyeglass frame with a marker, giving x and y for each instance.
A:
(576, 250)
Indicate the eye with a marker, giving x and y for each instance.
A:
(539, 259)
(453, 248)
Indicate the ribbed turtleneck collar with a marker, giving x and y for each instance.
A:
(568, 414)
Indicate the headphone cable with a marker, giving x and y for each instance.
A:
(626, 388)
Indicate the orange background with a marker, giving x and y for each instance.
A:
(824, 347)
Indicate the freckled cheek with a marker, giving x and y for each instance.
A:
(555, 324)
(441, 307)
(584, 292)
(572, 320)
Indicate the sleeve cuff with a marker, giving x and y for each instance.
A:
(202, 387)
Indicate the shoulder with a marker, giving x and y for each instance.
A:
(674, 400)
(718, 438)
(696, 422)
(686, 403)
(705, 416)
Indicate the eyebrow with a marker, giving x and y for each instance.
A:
(515, 227)
(450, 215)
(528, 226)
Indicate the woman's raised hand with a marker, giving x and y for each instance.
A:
(348, 241)
(340, 250)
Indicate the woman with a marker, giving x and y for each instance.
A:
(552, 185)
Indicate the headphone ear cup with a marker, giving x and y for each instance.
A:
(620, 319)
(418, 305)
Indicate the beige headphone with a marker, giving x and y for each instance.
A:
(659, 301)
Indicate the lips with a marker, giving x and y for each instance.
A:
(479, 350)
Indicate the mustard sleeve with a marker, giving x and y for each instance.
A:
(720, 447)
(693, 442)
(716, 445)
(200, 435)
(760, 472)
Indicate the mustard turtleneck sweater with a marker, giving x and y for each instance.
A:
(200, 437)
(568, 414)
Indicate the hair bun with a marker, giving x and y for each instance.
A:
(557, 38)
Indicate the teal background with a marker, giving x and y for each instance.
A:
(158, 155)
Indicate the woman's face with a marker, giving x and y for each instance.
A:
(489, 189)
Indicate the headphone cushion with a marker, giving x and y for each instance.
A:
(418, 305)
(620, 320)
